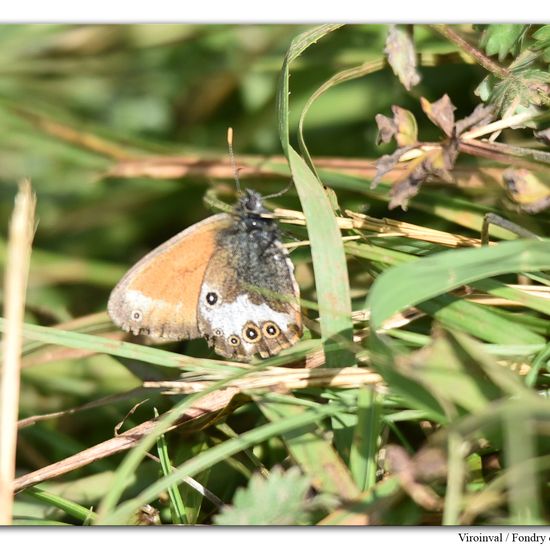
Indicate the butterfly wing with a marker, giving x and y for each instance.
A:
(158, 296)
(249, 300)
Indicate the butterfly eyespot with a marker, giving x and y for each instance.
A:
(234, 340)
(270, 330)
(137, 315)
(251, 333)
(211, 298)
(217, 332)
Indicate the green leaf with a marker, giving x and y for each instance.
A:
(542, 34)
(496, 288)
(385, 355)
(329, 262)
(414, 282)
(485, 88)
(503, 39)
(525, 88)
(480, 321)
(193, 498)
(364, 450)
(507, 382)
(278, 500)
(73, 509)
(177, 508)
(525, 487)
(542, 37)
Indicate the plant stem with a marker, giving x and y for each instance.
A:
(479, 57)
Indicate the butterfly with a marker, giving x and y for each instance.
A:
(227, 278)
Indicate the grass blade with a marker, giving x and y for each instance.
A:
(121, 349)
(297, 47)
(407, 285)
(479, 321)
(364, 449)
(329, 262)
(331, 275)
(523, 485)
(177, 508)
(73, 509)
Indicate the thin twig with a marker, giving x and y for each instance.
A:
(15, 284)
(268, 167)
(465, 46)
(496, 152)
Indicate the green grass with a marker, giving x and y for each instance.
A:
(456, 339)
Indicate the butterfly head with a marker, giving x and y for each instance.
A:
(251, 203)
(249, 212)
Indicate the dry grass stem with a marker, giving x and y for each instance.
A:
(283, 380)
(384, 227)
(256, 167)
(21, 232)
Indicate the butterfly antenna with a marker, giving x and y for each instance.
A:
(232, 156)
(279, 193)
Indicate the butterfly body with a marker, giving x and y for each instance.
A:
(227, 278)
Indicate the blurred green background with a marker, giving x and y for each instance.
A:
(174, 89)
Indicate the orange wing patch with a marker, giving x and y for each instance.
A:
(159, 294)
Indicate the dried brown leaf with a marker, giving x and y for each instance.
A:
(402, 56)
(405, 190)
(528, 190)
(439, 162)
(480, 116)
(417, 161)
(543, 135)
(434, 163)
(405, 468)
(398, 459)
(441, 113)
(430, 463)
(402, 127)
(386, 163)
(386, 129)
(146, 515)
